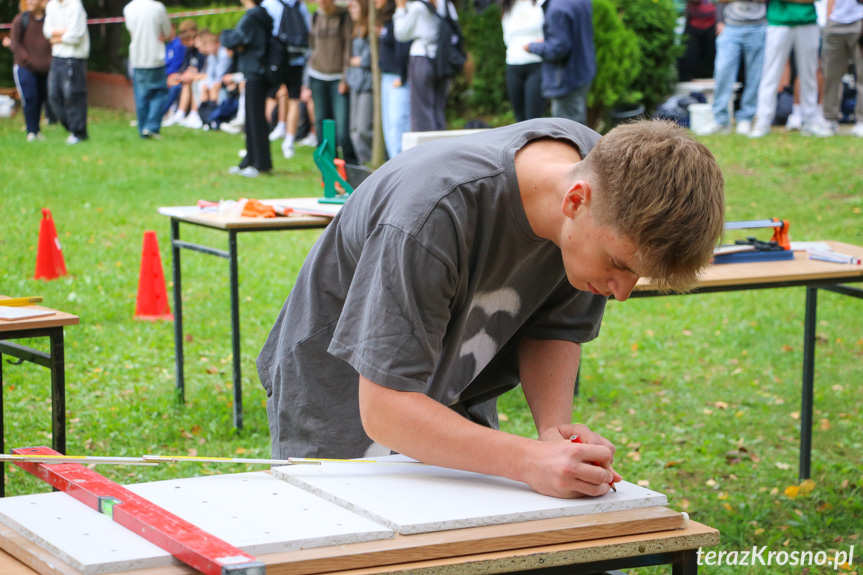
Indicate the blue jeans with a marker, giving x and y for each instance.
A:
(151, 92)
(572, 106)
(736, 42)
(395, 111)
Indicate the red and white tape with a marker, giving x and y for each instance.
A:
(120, 19)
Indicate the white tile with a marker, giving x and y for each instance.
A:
(423, 498)
(253, 511)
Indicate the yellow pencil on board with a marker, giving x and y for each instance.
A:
(20, 301)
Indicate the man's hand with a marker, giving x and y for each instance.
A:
(343, 87)
(560, 468)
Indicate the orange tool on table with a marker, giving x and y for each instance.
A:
(576, 439)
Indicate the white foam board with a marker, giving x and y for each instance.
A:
(253, 511)
(414, 498)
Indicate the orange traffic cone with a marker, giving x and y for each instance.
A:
(49, 257)
(152, 295)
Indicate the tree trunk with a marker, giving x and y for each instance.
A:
(378, 149)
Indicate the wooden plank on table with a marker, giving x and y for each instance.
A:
(474, 540)
(30, 557)
(655, 529)
(694, 536)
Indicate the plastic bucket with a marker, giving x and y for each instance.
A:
(7, 104)
(700, 115)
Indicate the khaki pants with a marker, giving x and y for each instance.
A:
(840, 46)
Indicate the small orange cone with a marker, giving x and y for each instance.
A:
(152, 295)
(49, 257)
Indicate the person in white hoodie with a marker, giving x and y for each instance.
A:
(522, 22)
(66, 28)
(149, 27)
(413, 21)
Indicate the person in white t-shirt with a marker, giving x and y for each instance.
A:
(522, 24)
(65, 27)
(149, 27)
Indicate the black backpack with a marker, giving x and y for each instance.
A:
(293, 32)
(450, 58)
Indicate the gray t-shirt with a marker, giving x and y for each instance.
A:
(426, 281)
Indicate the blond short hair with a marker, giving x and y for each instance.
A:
(662, 189)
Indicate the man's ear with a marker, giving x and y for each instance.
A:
(576, 197)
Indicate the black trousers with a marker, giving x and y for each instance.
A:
(257, 129)
(67, 94)
(524, 86)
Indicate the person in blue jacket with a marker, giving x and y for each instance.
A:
(568, 57)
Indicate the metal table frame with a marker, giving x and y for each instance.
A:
(812, 286)
(231, 255)
(53, 360)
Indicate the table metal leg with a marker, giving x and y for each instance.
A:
(178, 310)
(2, 434)
(685, 563)
(808, 381)
(235, 329)
(58, 391)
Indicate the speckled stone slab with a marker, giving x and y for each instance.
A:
(253, 511)
(423, 498)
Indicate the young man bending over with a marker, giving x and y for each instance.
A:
(466, 266)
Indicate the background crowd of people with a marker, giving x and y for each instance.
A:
(197, 79)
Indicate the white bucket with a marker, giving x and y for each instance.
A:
(700, 115)
(7, 104)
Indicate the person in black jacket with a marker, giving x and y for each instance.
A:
(249, 41)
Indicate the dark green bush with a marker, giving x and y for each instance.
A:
(618, 63)
(485, 95)
(653, 23)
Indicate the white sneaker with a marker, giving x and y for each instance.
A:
(713, 128)
(287, 150)
(857, 130)
(72, 140)
(31, 137)
(278, 133)
(744, 127)
(816, 129)
(174, 119)
(759, 131)
(234, 170)
(230, 128)
(193, 120)
(794, 122)
(311, 140)
(250, 172)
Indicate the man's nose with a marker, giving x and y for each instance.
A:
(622, 286)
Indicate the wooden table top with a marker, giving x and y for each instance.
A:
(801, 268)
(693, 536)
(240, 223)
(59, 318)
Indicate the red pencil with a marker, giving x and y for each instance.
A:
(575, 439)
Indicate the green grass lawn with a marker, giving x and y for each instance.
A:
(700, 394)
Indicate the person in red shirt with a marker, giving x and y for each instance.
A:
(700, 33)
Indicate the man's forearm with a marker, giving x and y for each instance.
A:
(420, 427)
(548, 369)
